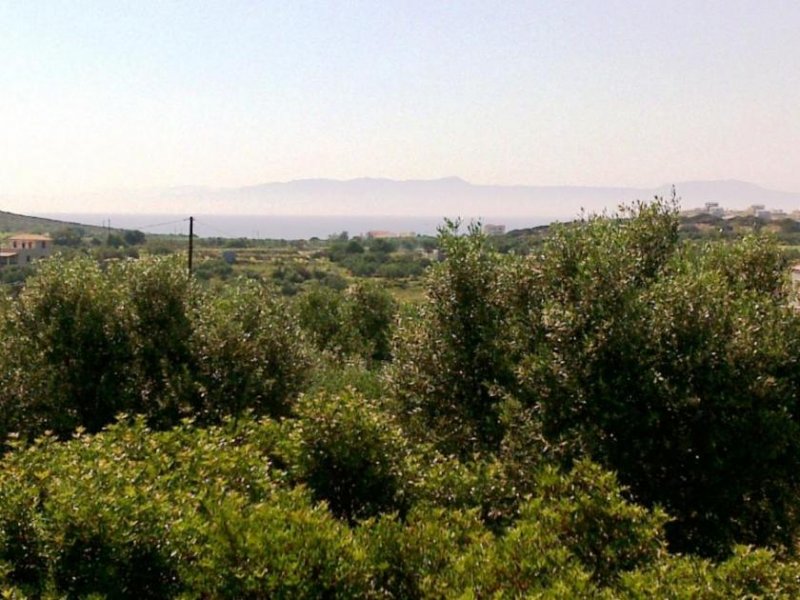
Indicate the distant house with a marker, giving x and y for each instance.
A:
(490, 229)
(377, 235)
(22, 248)
(796, 275)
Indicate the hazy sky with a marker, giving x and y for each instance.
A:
(137, 94)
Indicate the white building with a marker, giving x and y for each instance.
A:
(22, 248)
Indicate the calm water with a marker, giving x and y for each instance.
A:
(273, 227)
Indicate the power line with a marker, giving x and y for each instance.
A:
(163, 224)
(217, 229)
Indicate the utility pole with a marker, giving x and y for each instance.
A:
(191, 240)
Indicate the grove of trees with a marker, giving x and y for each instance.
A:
(615, 415)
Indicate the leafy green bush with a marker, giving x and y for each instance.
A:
(356, 322)
(213, 269)
(321, 313)
(350, 453)
(68, 349)
(248, 354)
(411, 558)
(371, 312)
(160, 302)
(451, 361)
(189, 512)
(84, 343)
(207, 512)
(675, 367)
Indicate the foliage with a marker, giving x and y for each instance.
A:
(15, 274)
(134, 237)
(371, 311)
(379, 257)
(191, 512)
(211, 512)
(452, 358)
(68, 236)
(247, 354)
(321, 313)
(83, 344)
(213, 269)
(68, 350)
(160, 302)
(674, 367)
(574, 422)
(350, 453)
(356, 322)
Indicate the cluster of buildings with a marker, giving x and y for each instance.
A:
(755, 210)
(22, 248)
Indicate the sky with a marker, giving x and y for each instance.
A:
(113, 95)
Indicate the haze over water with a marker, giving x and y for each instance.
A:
(275, 226)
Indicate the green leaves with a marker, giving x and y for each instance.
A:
(674, 366)
(83, 344)
(452, 360)
(350, 453)
(205, 512)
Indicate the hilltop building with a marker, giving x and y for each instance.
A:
(759, 211)
(713, 208)
(22, 248)
(490, 229)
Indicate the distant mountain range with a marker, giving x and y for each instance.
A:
(447, 197)
(453, 197)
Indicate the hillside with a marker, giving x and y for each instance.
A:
(11, 222)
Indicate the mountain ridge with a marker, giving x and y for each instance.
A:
(442, 197)
(454, 196)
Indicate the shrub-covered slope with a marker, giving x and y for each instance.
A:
(615, 416)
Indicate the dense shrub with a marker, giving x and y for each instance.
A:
(68, 347)
(412, 558)
(213, 269)
(160, 302)
(84, 343)
(673, 364)
(675, 367)
(371, 312)
(476, 455)
(355, 322)
(195, 512)
(321, 313)
(248, 354)
(350, 453)
(452, 359)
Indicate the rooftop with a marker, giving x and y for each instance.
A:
(31, 237)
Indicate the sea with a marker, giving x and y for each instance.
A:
(284, 227)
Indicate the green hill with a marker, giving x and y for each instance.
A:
(11, 222)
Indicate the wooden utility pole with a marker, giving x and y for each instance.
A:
(191, 242)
